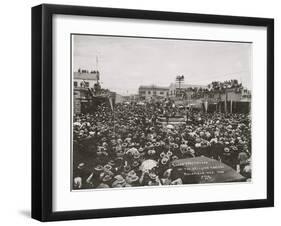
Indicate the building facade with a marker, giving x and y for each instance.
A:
(84, 83)
(153, 92)
(84, 78)
(177, 91)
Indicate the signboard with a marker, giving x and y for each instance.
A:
(200, 170)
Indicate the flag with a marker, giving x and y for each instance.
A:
(206, 105)
(110, 102)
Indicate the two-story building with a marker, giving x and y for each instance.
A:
(84, 83)
(184, 89)
(84, 78)
(153, 92)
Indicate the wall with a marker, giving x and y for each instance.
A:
(15, 116)
(81, 81)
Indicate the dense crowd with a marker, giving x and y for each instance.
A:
(130, 146)
(211, 89)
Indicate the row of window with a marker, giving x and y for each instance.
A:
(82, 84)
(152, 92)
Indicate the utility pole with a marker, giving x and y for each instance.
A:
(180, 79)
(225, 101)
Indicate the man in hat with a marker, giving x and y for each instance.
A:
(81, 176)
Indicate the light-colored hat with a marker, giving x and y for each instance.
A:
(103, 185)
(132, 173)
(119, 182)
(81, 165)
(107, 167)
(111, 163)
(136, 155)
(141, 149)
(99, 168)
(152, 176)
(175, 157)
(151, 152)
(226, 149)
(135, 164)
(106, 178)
(132, 179)
(169, 153)
(164, 160)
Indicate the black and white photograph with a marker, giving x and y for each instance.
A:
(150, 111)
(147, 112)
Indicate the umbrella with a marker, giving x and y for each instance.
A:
(148, 165)
(200, 170)
(170, 127)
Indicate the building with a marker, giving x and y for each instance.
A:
(84, 83)
(84, 78)
(153, 92)
(175, 90)
(231, 100)
(246, 95)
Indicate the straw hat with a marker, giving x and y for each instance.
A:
(132, 179)
(81, 165)
(111, 163)
(174, 157)
(107, 167)
(99, 168)
(119, 182)
(135, 164)
(103, 185)
(226, 149)
(169, 153)
(153, 176)
(162, 154)
(106, 178)
(127, 168)
(141, 149)
(137, 155)
(151, 152)
(164, 160)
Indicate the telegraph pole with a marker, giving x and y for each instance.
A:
(180, 79)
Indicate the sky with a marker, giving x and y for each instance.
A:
(125, 63)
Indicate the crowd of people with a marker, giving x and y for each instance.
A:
(129, 146)
(211, 89)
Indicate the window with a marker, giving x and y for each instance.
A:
(75, 84)
(161, 92)
(148, 92)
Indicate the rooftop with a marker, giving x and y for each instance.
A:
(93, 75)
(185, 86)
(154, 87)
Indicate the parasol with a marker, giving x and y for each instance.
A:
(148, 165)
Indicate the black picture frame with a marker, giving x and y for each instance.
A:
(42, 111)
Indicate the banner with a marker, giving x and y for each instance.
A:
(110, 102)
(204, 170)
(206, 106)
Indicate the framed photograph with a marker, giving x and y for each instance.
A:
(145, 112)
